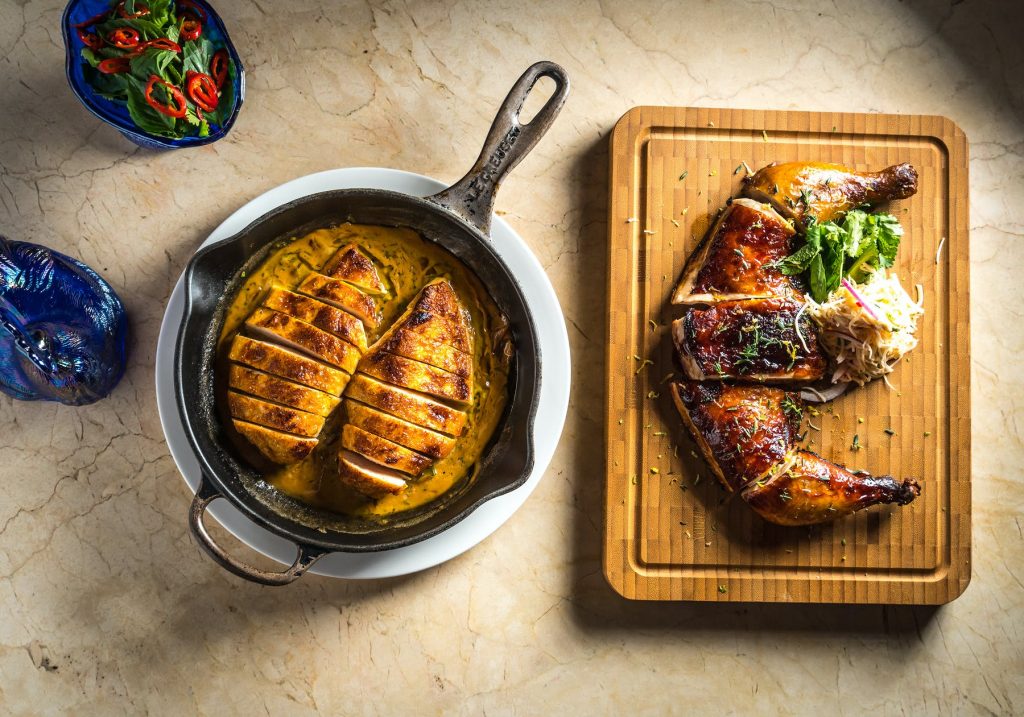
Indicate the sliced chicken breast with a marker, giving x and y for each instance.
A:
(273, 415)
(351, 265)
(755, 340)
(416, 375)
(416, 408)
(342, 295)
(412, 345)
(422, 440)
(736, 258)
(278, 447)
(368, 478)
(279, 361)
(276, 327)
(437, 314)
(382, 451)
(278, 390)
(323, 316)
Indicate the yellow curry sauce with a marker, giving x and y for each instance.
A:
(406, 263)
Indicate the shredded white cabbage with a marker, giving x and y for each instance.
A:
(867, 341)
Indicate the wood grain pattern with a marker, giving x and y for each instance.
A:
(670, 532)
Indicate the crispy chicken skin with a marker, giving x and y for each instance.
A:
(278, 390)
(342, 295)
(742, 431)
(735, 259)
(283, 448)
(755, 340)
(272, 415)
(287, 364)
(416, 408)
(382, 451)
(351, 265)
(802, 190)
(437, 314)
(300, 336)
(417, 376)
(422, 440)
(412, 345)
(323, 316)
(813, 490)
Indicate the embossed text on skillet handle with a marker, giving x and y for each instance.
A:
(508, 141)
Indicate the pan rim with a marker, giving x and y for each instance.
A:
(552, 343)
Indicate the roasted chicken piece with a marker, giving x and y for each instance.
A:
(755, 340)
(277, 446)
(743, 431)
(278, 390)
(416, 408)
(736, 258)
(367, 477)
(300, 336)
(342, 295)
(287, 364)
(272, 415)
(351, 265)
(397, 413)
(812, 490)
(805, 190)
(323, 316)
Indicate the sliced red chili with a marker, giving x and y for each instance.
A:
(202, 90)
(174, 107)
(91, 39)
(219, 67)
(140, 11)
(94, 20)
(191, 27)
(186, 5)
(114, 65)
(124, 38)
(162, 44)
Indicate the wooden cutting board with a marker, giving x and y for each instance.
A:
(671, 533)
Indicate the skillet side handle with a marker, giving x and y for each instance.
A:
(205, 495)
(508, 141)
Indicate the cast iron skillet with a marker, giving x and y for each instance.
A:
(458, 219)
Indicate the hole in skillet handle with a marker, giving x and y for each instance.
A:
(206, 493)
(508, 141)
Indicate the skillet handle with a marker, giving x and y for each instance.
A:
(508, 141)
(205, 495)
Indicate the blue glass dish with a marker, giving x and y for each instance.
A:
(116, 114)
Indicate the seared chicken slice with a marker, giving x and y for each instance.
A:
(416, 408)
(277, 390)
(756, 340)
(279, 361)
(342, 295)
(283, 448)
(272, 415)
(742, 431)
(382, 451)
(298, 335)
(351, 265)
(323, 316)
(412, 345)
(813, 490)
(803, 190)
(437, 314)
(365, 476)
(416, 375)
(735, 259)
(422, 440)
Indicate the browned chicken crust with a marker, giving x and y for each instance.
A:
(813, 490)
(742, 431)
(278, 390)
(278, 447)
(803, 190)
(412, 345)
(437, 315)
(342, 295)
(300, 336)
(272, 415)
(288, 364)
(323, 316)
(416, 375)
(382, 451)
(368, 478)
(356, 268)
(422, 440)
(735, 259)
(417, 408)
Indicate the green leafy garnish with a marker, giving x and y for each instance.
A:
(862, 243)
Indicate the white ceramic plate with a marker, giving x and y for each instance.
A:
(553, 344)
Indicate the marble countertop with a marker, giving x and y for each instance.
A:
(109, 607)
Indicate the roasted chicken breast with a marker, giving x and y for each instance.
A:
(803, 190)
(416, 375)
(323, 316)
(437, 314)
(413, 345)
(278, 390)
(422, 440)
(272, 415)
(416, 408)
(755, 340)
(367, 477)
(744, 432)
(287, 364)
(736, 258)
(342, 295)
(813, 490)
(351, 265)
(382, 451)
(278, 447)
(300, 336)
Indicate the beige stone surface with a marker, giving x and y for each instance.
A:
(107, 607)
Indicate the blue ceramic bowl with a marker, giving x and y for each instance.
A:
(115, 113)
